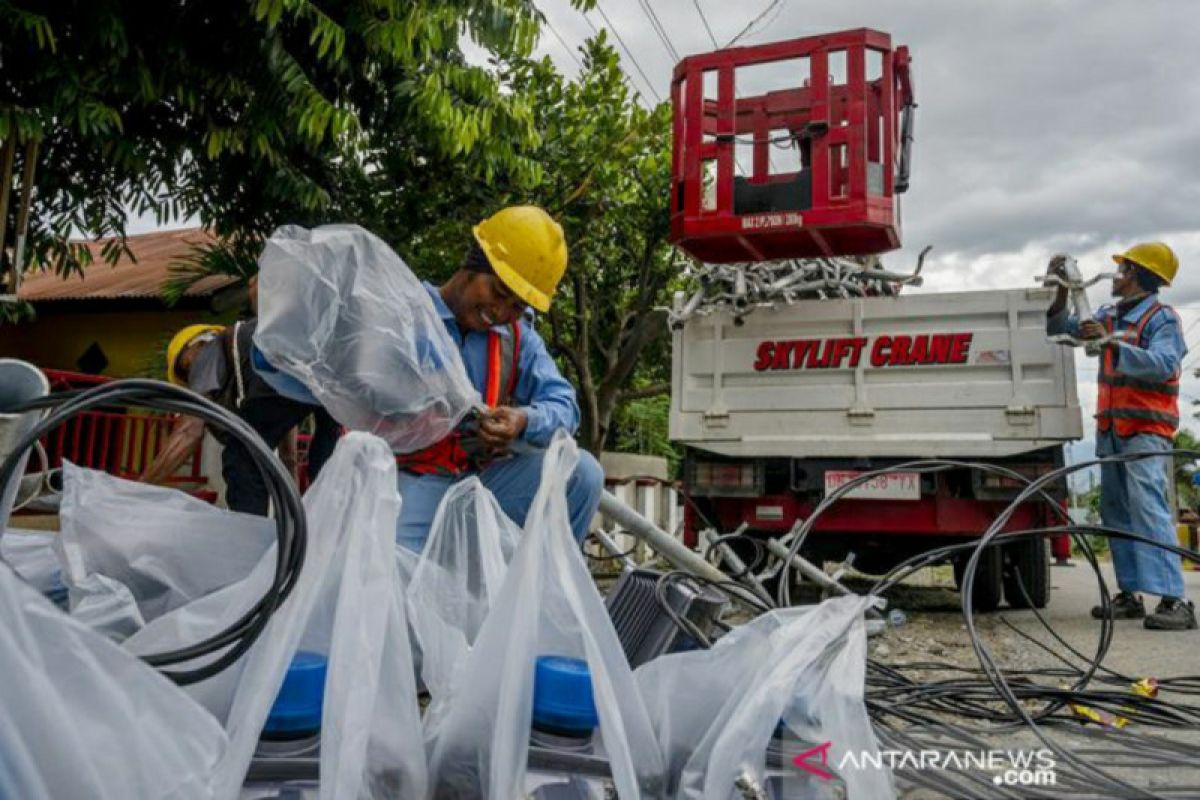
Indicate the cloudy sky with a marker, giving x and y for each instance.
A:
(1044, 126)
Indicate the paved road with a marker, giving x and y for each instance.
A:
(936, 623)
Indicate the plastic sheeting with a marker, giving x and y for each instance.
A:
(81, 717)
(715, 711)
(31, 555)
(340, 312)
(348, 604)
(457, 576)
(547, 605)
(165, 547)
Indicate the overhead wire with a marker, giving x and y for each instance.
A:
(628, 52)
(753, 22)
(659, 30)
(562, 41)
(708, 28)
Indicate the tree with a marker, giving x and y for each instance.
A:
(603, 167)
(247, 113)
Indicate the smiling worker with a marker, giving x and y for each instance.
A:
(514, 264)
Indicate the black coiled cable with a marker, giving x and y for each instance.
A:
(227, 646)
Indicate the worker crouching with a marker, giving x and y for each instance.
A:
(515, 263)
(1137, 411)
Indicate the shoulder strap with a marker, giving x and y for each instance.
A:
(504, 356)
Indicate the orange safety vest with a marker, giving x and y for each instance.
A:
(1135, 406)
(457, 453)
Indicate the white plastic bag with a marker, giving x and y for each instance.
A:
(81, 717)
(340, 312)
(31, 555)
(716, 710)
(347, 604)
(105, 605)
(457, 576)
(165, 546)
(547, 605)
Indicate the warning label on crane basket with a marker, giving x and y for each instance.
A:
(753, 222)
(848, 352)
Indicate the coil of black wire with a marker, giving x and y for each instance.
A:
(217, 652)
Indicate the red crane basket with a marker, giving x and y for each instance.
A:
(841, 120)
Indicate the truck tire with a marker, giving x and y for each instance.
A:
(989, 578)
(1030, 560)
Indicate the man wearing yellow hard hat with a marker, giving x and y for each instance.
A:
(214, 361)
(514, 263)
(1137, 412)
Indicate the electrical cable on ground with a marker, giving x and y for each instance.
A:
(914, 714)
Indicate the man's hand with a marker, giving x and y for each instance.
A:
(1091, 329)
(501, 426)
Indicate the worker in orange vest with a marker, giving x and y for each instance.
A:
(513, 266)
(1137, 412)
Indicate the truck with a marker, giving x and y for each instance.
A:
(798, 362)
(778, 408)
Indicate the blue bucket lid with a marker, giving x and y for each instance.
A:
(562, 695)
(297, 707)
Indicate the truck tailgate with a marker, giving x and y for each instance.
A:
(964, 374)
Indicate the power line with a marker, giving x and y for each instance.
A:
(562, 41)
(754, 22)
(628, 52)
(704, 19)
(659, 29)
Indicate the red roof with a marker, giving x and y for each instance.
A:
(143, 278)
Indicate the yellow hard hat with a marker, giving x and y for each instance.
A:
(180, 341)
(1154, 256)
(527, 250)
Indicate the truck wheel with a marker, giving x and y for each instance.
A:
(1030, 560)
(989, 578)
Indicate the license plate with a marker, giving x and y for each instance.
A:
(890, 486)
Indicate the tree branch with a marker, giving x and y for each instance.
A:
(646, 391)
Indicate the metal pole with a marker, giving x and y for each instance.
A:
(806, 568)
(659, 540)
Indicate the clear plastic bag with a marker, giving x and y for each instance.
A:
(715, 711)
(31, 555)
(347, 604)
(81, 717)
(547, 605)
(340, 312)
(166, 547)
(456, 578)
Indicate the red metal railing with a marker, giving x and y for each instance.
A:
(120, 443)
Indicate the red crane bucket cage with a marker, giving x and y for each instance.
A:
(839, 124)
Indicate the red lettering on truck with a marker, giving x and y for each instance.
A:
(766, 352)
(901, 350)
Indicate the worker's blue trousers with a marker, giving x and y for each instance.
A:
(1133, 497)
(514, 481)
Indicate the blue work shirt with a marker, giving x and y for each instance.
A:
(1158, 360)
(546, 397)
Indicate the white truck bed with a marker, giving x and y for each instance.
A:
(832, 378)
